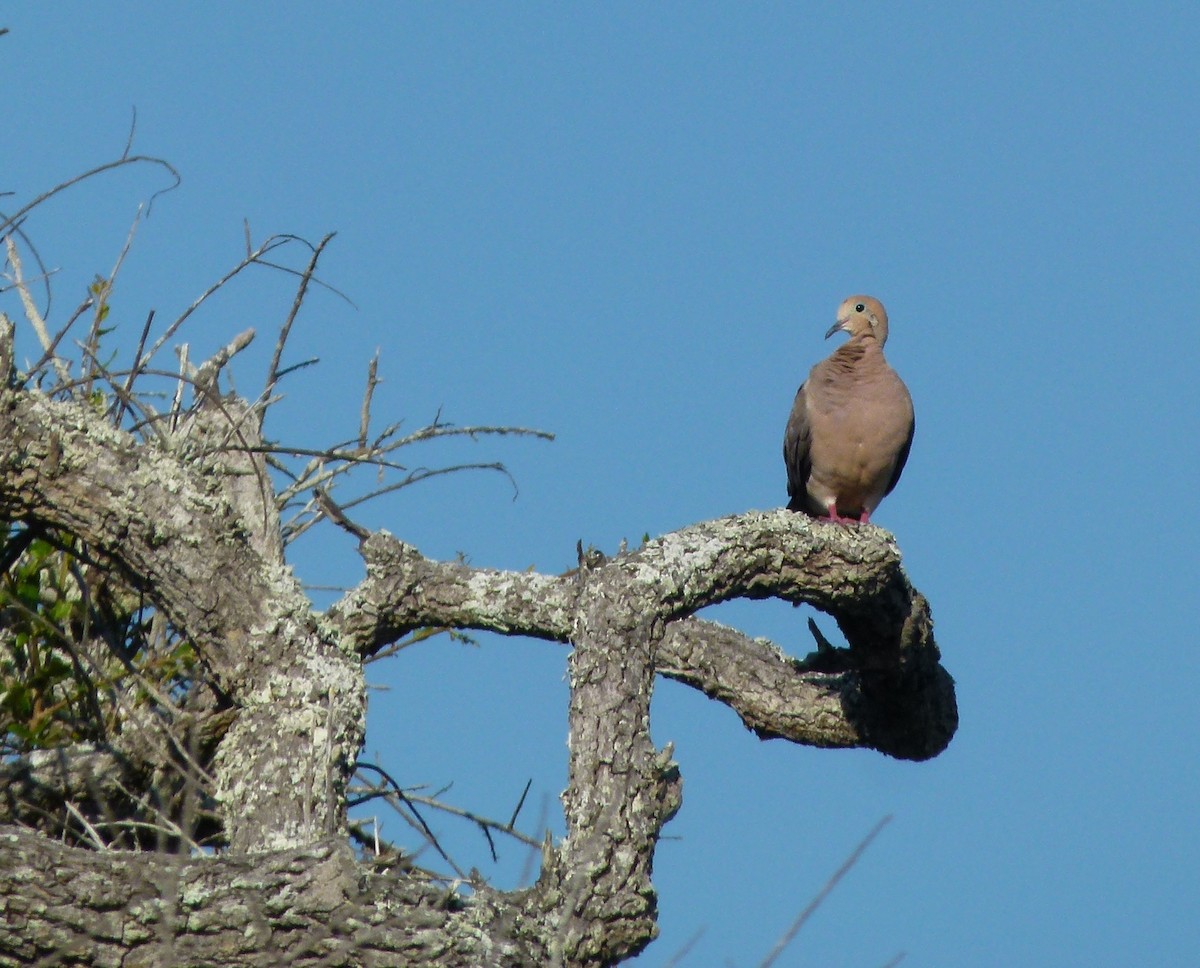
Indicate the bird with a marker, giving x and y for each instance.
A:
(851, 427)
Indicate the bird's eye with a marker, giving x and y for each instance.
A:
(859, 308)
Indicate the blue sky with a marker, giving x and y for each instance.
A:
(631, 225)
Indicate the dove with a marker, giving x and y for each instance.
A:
(851, 427)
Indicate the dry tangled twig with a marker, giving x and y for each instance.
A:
(115, 656)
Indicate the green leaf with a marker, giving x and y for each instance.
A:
(18, 700)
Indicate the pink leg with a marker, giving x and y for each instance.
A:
(831, 507)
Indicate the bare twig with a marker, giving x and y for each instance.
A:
(420, 635)
(210, 370)
(482, 822)
(311, 361)
(520, 803)
(685, 949)
(132, 132)
(136, 368)
(535, 853)
(103, 288)
(32, 314)
(185, 377)
(295, 527)
(823, 644)
(419, 823)
(485, 824)
(274, 242)
(91, 831)
(436, 430)
(424, 473)
(161, 823)
(7, 352)
(364, 420)
(332, 462)
(286, 329)
(18, 229)
(125, 159)
(48, 355)
(823, 893)
(335, 514)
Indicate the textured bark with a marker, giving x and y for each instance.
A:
(188, 520)
(309, 906)
(162, 518)
(885, 691)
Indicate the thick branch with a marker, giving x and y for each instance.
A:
(404, 591)
(887, 691)
(168, 519)
(621, 789)
(167, 523)
(774, 694)
(629, 618)
(821, 700)
(308, 907)
(142, 508)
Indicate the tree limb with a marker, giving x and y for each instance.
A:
(886, 691)
(165, 524)
(304, 907)
(166, 514)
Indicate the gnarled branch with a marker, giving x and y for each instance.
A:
(886, 691)
(163, 513)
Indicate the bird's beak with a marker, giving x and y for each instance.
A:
(836, 326)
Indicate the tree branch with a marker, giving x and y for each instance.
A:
(169, 514)
(307, 907)
(886, 691)
(164, 524)
(404, 591)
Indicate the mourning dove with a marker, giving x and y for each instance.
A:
(851, 425)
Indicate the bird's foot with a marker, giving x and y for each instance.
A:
(836, 518)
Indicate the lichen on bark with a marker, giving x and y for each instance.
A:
(290, 683)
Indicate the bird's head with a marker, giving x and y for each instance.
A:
(860, 316)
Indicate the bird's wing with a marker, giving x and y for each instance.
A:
(901, 458)
(796, 454)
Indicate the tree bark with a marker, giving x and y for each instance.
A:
(288, 889)
(306, 906)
